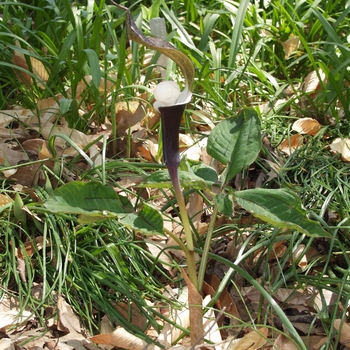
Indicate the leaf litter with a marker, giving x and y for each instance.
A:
(19, 147)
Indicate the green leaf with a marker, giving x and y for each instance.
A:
(18, 205)
(280, 208)
(94, 201)
(65, 105)
(224, 203)
(236, 33)
(161, 179)
(154, 9)
(206, 172)
(94, 67)
(147, 221)
(91, 198)
(236, 141)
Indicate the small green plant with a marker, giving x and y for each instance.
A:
(235, 142)
(238, 65)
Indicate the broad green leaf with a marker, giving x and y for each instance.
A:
(160, 45)
(161, 179)
(148, 220)
(281, 208)
(236, 141)
(225, 203)
(94, 201)
(90, 198)
(206, 172)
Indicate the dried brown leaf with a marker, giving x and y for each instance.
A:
(67, 320)
(158, 250)
(80, 139)
(11, 156)
(312, 342)
(292, 296)
(313, 81)
(132, 314)
(148, 150)
(121, 339)
(290, 144)
(225, 302)
(8, 116)
(341, 146)
(297, 253)
(4, 199)
(169, 332)
(291, 45)
(315, 342)
(106, 325)
(284, 343)
(211, 327)
(6, 344)
(39, 69)
(22, 76)
(323, 298)
(18, 133)
(35, 245)
(253, 340)
(344, 329)
(21, 268)
(195, 207)
(128, 114)
(11, 313)
(307, 126)
(27, 175)
(49, 109)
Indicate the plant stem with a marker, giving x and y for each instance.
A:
(206, 249)
(191, 263)
(176, 239)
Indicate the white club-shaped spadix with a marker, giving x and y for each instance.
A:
(167, 93)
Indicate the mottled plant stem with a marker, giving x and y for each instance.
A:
(189, 251)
